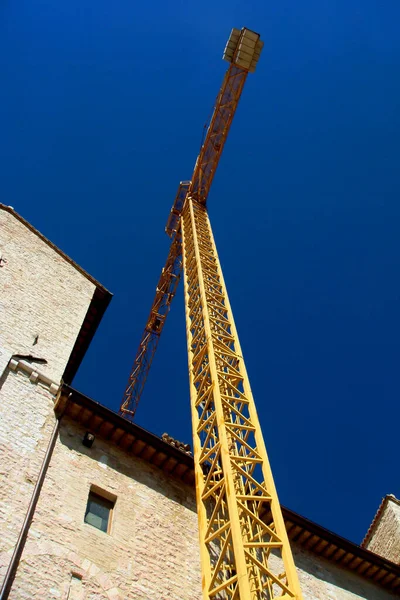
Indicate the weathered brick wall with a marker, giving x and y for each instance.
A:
(385, 538)
(152, 550)
(41, 294)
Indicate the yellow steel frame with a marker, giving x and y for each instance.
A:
(245, 550)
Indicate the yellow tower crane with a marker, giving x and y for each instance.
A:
(244, 548)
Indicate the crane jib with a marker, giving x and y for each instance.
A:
(244, 547)
(211, 150)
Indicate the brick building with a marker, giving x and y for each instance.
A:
(94, 507)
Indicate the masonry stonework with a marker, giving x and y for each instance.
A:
(321, 579)
(43, 302)
(152, 549)
(43, 299)
(26, 421)
(384, 536)
(151, 552)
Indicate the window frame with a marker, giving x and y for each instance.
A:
(95, 491)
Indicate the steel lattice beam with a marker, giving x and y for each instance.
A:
(165, 292)
(234, 483)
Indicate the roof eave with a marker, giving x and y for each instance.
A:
(305, 533)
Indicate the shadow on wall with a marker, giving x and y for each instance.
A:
(321, 579)
(107, 454)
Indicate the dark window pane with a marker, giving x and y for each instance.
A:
(98, 511)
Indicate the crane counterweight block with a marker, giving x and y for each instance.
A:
(243, 48)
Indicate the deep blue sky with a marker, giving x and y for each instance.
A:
(102, 110)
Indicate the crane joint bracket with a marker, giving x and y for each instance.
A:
(177, 207)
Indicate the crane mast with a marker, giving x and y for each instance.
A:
(245, 552)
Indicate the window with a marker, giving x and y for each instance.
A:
(99, 511)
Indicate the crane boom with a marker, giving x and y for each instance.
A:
(199, 187)
(165, 291)
(244, 548)
(211, 150)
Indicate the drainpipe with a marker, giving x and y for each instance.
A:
(19, 547)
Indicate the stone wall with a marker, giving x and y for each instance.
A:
(384, 538)
(41, 294)
(26, 422)
(151, 552)
(43, 302)
(321, 579)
